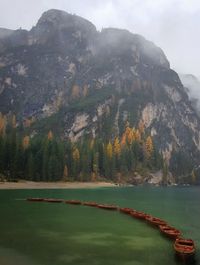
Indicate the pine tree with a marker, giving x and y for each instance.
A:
(85, 90)
(2, 124)
(116, 147)
(141, 127)
(50, 135)
(26, 142)
(76, 162)
(14, 122)
(30, 167)
(75, 92)
(109, 150)
(65, 173)
(149, 147)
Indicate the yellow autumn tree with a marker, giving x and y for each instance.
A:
(76, 154)
(14, 121)
(137, 135)
(193, 177)
(2, 124)
(123, 140)
(85, 90)
(92, 143)
(131, 136)
(109, 150)
(141, 127)
(26, 142)
(116, 147)
(149, 147)
(127, 131)
(50, 135)
(75, 92)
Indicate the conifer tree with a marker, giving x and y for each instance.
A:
(116, 147)
(65, 173)
(149, 147)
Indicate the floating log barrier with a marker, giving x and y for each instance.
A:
(184, 248)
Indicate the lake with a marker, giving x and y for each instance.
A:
(59, 234)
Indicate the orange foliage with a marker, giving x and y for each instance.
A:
(123, 140)
(50, 135)
(2, 124)
(76, 154)
(75, 92)
(141, 127)
(149, 146)
(116, 147)
(14, 121)
(26, 142)
(85, 90)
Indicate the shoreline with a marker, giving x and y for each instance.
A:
(54, 185)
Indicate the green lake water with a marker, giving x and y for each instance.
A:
(57, 234)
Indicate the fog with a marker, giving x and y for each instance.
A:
(172, 25)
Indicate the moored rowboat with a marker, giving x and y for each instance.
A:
(107, 207)
(52, 200)
(139, 215)
(76, 202)
(155, 221)
(92, 204)
(35, 199)
(126, 210)
(184, 248)
(169, 231)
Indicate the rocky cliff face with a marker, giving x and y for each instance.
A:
(66, 74)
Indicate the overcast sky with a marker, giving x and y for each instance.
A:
(174, 25)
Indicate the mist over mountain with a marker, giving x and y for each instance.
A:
(192, 85)
(66, 76)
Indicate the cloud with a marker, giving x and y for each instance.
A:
(171, 24)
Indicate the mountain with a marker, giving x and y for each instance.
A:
(64, 75)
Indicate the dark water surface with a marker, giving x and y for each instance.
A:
(57, 234)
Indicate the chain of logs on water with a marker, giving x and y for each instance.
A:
(184, 248)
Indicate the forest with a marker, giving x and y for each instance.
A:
(50, 158)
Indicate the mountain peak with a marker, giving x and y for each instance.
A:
(64, 19)
(54, 16)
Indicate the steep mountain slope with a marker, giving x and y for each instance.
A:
(69, 77)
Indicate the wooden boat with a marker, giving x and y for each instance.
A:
(35, 199)
(155, 221)
(76, 202)
(92, 204)
(107, 207)
(169, 231)
(184, 248)
(139, 215)
(126, 210)
(53, 200)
